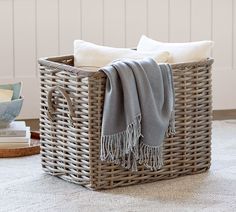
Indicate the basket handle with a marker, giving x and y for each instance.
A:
(51, 108)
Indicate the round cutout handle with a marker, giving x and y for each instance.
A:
(51, 107)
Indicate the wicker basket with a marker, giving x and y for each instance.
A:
(71, 114)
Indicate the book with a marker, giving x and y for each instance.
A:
(15, 129)
(25, 139)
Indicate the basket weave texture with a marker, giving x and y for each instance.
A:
(70, 124)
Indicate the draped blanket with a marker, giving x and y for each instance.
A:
(138, 113)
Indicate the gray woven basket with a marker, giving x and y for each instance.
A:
(70, 125)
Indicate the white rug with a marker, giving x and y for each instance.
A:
(24, 187)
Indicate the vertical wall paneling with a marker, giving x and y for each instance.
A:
(69, 24)
(224, 87)
(6, 41)
(179, 21)
(39, 28)
(136, 21)
(92, 20)
(25, 55)
(114, 23)
(158, 19)
(201, 20)
(234, 36)
(222, 33)
(24, 38)
(47, 28)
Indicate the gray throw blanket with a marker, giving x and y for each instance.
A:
(138, 113)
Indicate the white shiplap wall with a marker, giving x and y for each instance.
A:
(37, 28)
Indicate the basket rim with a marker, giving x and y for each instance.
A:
(52, 62)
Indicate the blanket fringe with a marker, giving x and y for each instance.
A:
(122, 148)
(125, 149)
(151, 156)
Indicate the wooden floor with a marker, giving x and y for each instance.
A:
(224, 114)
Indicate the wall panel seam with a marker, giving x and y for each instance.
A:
(103, 22)
(58, 29)
(125, 23)
(233, 34)
(190, 21)
(13, 39)
(81, 19)
(212, 22)
(169, 22)
(147, 19)
(36, 38)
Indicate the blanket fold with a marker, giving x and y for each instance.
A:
(138, 113)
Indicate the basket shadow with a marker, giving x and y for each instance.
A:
(179, 189)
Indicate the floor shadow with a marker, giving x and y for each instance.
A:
(178, 189)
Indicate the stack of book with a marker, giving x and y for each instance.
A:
(17, 135)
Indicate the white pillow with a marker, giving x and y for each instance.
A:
(89, 54)
(179, 52)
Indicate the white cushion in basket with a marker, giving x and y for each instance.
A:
(90, 54)
(179, 52)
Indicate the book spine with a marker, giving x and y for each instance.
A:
(12, 133)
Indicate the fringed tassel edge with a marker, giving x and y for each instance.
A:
(122, 148)
(151, 156)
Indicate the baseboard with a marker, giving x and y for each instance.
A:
(224, 114)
